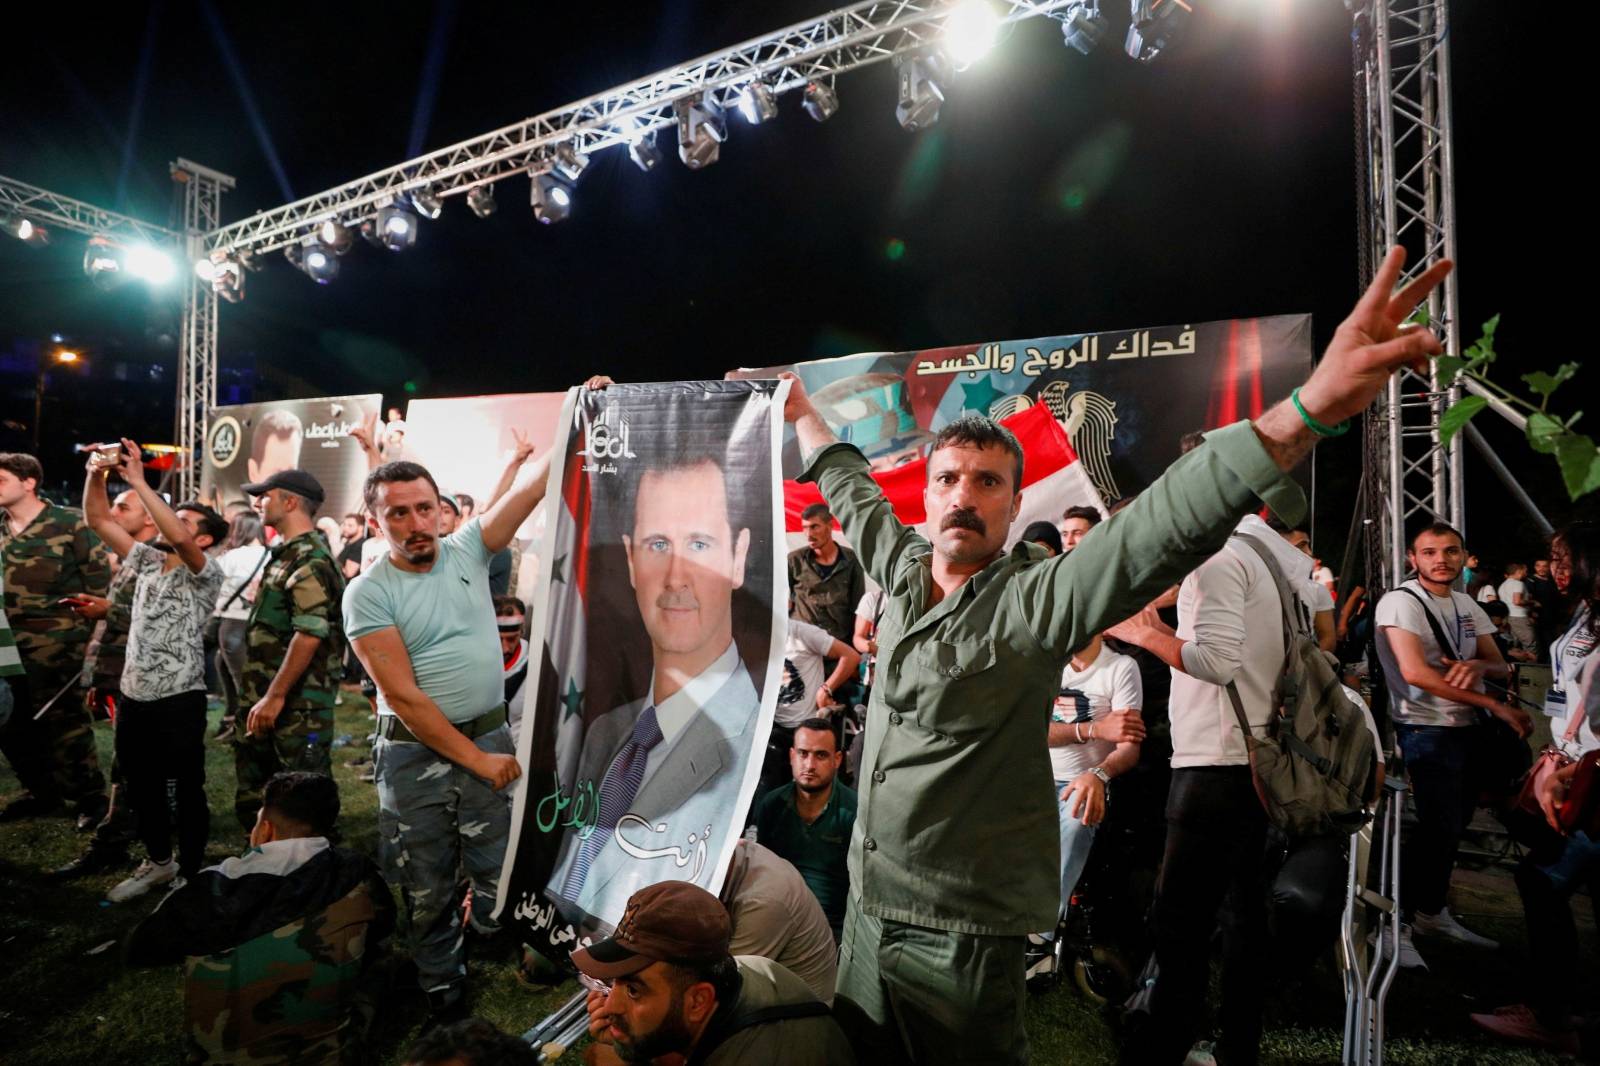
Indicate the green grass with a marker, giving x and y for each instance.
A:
(60, 1004)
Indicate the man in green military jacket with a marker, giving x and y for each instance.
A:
(294, 643)
(48, 554)
(953, 859)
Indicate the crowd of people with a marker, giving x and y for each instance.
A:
(905, 875)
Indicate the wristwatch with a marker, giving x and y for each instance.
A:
(1105, 778)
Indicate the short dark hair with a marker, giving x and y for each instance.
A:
(722, 974)
(303, 798)
(475, 1042)
(1044, 533)
(816, 510)
(212, 524)
(509, 605)
(465, 502)
(389, 474)
(245, 529)
(817, 725)
(1088, 514)
(1436, 526)
(358, 517)
(980, 432)
(22, 466)
(1190, 441)
(1496, 609)
(675, 458)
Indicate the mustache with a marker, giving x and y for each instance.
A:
(963, 519)
(677, 601)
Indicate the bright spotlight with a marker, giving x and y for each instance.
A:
(757, 104)
(393, 227)
(819, 100)
(26, 230)
(1083, 25)
(921, 93)
(701, 131)
(643, 151)
(427, 202)
(225, 272)
(205, 270)
(314, 259)
(1154, 24)
(150, 264)
(102, 261)
(970, 31)
(550, 197)
(481, 200)
(335, 236)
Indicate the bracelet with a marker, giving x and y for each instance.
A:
(1321, 429)
(1077, 728)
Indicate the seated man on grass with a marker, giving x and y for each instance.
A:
(274, 944)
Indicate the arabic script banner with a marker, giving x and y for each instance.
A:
(1124, 398)
(661, 620)
(248, 442)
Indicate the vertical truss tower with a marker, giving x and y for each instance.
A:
(197, 340)
(1407, 197)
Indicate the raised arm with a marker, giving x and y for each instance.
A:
(501, 521)
(97, 508)
(171, 527)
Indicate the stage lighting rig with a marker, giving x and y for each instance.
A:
(920, 76)
(970, 31)
(569, 162)
(820, 100)
(225, 273)
(102, 262)
(641, 145)
(481, 200)
(757, 103)
(427, 202)
(550, 196)
(313, 259)
(393, 227)
(1083, 25)
(26, 230)
(1154, 24)
(335, 236)
(701, 131)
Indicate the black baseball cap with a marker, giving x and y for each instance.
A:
(296, 481)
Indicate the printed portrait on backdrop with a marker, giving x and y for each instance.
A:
(662, 646)
(247, 443)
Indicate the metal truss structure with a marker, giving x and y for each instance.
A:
(1402, 82)
(54, 211)
(197, 338)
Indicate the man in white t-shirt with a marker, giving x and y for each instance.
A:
(805, 691)
(1513, 592)
(1436, 694)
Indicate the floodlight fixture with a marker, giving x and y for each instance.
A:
(569, 162)
(820, 100)
(970, 31)
(481, 200)
(920, 76)
(427, 202)
(26, 230)
(642, 148)
(393, 227)
(1153, 25)
(102, 261)
(314, 259)
(550, 197)
(757, 104)
(701, 131)
(150, 264)
(1083, 24)
(335, 236)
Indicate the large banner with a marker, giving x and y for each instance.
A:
(251, 441)
(1125, 399)
(662, 636)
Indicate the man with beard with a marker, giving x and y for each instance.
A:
(673, 992)
(1436, 646)
(953, 860)
(809, 820)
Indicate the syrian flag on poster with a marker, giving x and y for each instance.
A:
(566, 629)
(1052, 480)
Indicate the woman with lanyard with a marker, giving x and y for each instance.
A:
(1549, 875)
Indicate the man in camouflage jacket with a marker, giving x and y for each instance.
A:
(48, 554)
(294, 642)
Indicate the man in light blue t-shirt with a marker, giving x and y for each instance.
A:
(422, 622)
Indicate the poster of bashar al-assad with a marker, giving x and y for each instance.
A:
(250, 442)
(661, 621)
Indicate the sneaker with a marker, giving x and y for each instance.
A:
(93, 861)
(1519, 1023)
(1410, 958)
(1444, 924)
(147, 876)
(1039, 961)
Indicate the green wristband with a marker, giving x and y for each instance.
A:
(1321, 429)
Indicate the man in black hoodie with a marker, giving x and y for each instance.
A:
(273, 943)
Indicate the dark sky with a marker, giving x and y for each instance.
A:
(1219, 181)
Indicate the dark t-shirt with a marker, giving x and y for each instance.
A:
(820, 850)
(352, 551)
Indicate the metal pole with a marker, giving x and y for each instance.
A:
(1510, 482)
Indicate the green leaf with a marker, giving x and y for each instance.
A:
(1580, 463)
(1545, 384)
(1449, 366)
(1458, 415)
(1542, 433)
(1490, 326)
(1420, 315)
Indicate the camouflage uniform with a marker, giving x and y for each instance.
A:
(55, 556)
(299, 593)
(102, 673)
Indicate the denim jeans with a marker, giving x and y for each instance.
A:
(1440, 773)
(1076, 840)
(1546, 891)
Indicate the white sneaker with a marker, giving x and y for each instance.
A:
(1410, 958)
(1444, 924)
(147, 876)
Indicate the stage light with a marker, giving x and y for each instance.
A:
(643, 151)
(393, 228)
(481, 201)
(26, 230)
(550, 197)
(701, 131)
(150, 264)
(569, 162)
(225, 272)
(1154, 24)
(1083, 25)
(313, 259)
(335, 236)
(427, 202)
(920, 95)
(757, 104)
(970, 31)
(819, 100)
(102, 261)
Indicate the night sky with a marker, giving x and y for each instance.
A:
(1058, 193)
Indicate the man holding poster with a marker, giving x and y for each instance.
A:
(953, 859)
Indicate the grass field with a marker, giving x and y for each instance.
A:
(67, 1000)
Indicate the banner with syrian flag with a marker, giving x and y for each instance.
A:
(657, 642)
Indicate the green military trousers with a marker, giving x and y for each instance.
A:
(909, 994)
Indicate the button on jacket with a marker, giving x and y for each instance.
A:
(957, 826)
